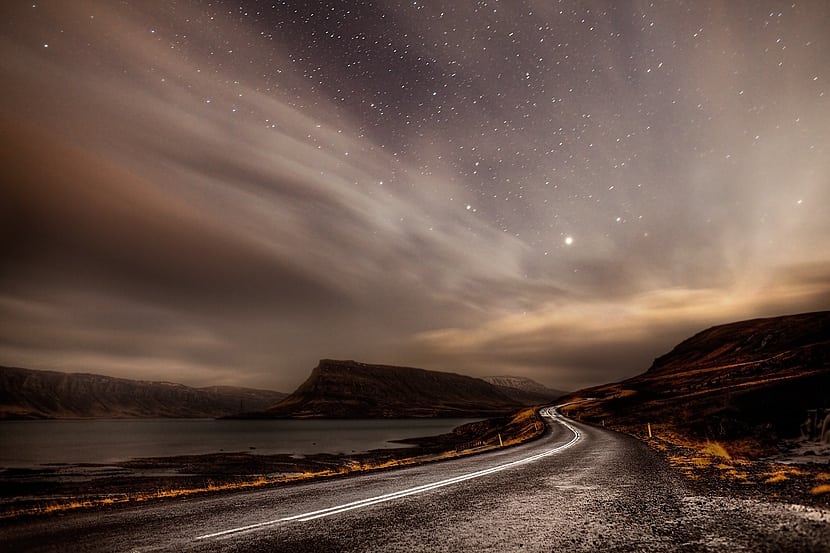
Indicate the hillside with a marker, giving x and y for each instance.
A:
(34, 394)
(524, 389)
(748, 384)
(348, 389)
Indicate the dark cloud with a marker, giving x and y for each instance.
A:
(77, 217)
(226, 193)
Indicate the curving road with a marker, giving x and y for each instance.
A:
(579, 488)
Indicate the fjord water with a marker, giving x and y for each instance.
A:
(32, 443)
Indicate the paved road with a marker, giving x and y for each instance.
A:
(578, 489)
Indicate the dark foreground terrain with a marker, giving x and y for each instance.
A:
(579, 488)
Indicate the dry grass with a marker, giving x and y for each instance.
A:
(137, 497)
(780, 477)
(821, 489)
(782, 474)
(689, 465)
(694, 458)
(700, 460)
(717, 450)
(693, 463)
(730, 472)
(524, 426)
(169, 493)
(735, 450)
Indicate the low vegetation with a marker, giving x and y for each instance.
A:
(735, 467)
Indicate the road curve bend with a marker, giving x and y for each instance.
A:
(578, 488)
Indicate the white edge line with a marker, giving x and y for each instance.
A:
(304, 517)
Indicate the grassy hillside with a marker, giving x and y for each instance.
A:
(746, 385)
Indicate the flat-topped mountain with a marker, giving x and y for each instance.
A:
(28, 394)
(524, 389)
(348, 389)
(752, 380)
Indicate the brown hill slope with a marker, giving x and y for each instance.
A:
(348, 389)
(27, 393)
(748, 383)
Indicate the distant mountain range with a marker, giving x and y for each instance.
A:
(349, 389)
(34, 394)
(746, 381)
(524, 389)
(335, 389)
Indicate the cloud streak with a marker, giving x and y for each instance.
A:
(188, 198)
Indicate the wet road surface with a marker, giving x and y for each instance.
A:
(579, 488)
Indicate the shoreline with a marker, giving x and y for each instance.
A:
(61, 488)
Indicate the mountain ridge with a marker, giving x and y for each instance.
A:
(350, 389)
(524, 389)
(750, 381)
(39, 394)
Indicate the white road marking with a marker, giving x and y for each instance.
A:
(304, 517)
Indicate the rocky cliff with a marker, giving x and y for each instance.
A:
(348, 389)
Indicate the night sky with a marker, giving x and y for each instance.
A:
(226, 192)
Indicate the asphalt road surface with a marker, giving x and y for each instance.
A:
(579, 488)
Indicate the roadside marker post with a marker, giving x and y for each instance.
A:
(649, 429)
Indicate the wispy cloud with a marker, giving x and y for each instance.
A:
(186, 199)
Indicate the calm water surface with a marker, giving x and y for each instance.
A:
(31, 443)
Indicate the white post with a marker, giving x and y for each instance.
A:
(501, 444)
(649, 429)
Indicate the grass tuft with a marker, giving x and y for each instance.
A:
(717, 450)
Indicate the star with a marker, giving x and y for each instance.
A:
(333, 168)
